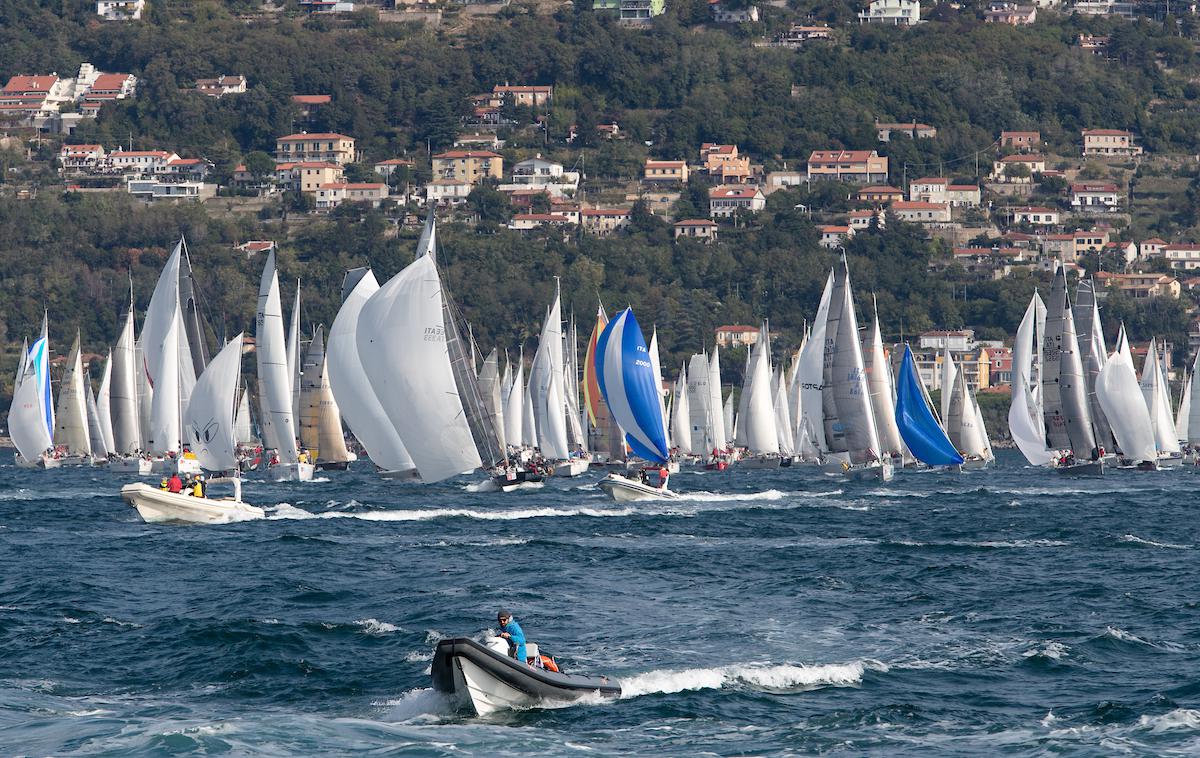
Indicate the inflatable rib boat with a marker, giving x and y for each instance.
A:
(487, 680)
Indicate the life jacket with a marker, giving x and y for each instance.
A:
(548, 663)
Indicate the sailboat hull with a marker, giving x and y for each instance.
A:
(975, 464)
(625, 490)
(157, 506)
(138, 466)
(42, 462)
(406, 475)
(1170, 460)
(290, 472)
(573, 467)
(761, 462)
(1087, 468)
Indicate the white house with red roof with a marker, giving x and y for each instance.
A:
(321, 146)
(140, 162)
(81, 159)
(1151, 248)
(1109, 142)
(1035, 215)
(917, 212)
(833, 235)
(736, 335)
(856, 166)
(724, 202)
(1095, 196)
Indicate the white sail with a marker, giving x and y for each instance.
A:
(161, 358)
(1158, 402)
(716, 419)
(1185, 410)
(699, 404)
(241, 422)
(1025, 419)
(528, 426)
(962, 421)
(489, 388)
(727, 412)
(104, 406)
(352, 390)
(656, 370)
(761, 435)
(549, 413)
(1120, 396)
(210, 418)
(293, 355)
(1193, 414)
(402, 342)
(28, 416)
(988, 455)
(879, 383)
(514, 406)
(783, 416)
(123, 393)
(681, 421)
(949, 371)
(165, 420)
(848, 416)
(811, 374)
(274, 380)
(95, 433)
(71, 425)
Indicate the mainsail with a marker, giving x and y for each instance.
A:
(275, 385)
(758, 421)
(846, 401)
(1064, 389)
(1120, 396)
(1025, 420)
(320, 419)
(879, 382)
(71, 427)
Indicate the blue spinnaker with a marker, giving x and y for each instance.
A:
(626, 379)
(920, 430)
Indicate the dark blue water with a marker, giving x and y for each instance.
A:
(1004, 612)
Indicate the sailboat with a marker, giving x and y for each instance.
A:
(758, 428)
(577, 438)
(123, 402)
(1064, 390)
(1026, 422)
(31, 415)
(627, 384)
(209, 421)
(71, 437)
(607, 441)
(1189, 413)
(547, 377)
(352, 390)
(681, 421)
(1119, 393)
(883, 403)
(320, 420)
(915, 422)
(1158, 403)
(849, 420)
(420, 369)
(964, 425)
(275, 383)
(103, 403)
(1090, 336)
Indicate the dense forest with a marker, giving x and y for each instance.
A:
(401, 89)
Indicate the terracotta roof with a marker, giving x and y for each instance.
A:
(540, 217)
(365, 186)
(833, 229)
(963, 187)
(1094, 187)
(319, 135)
(737, 328)
(665, 164)
(1032, 158)
(311, 99)
(732, 193)
(139, 153)
(917, 205)
(1106, 133)
(1020, 134)
(605, 212)
(395, 162)
(1154, 241)
(931, 180)
(31, 83)
(877, 189)
(841, 156)
(499, 88)
(1034, 209)
(452, 154)
(695, 222)
(109, 82)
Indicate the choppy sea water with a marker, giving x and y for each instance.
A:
(1011, 612)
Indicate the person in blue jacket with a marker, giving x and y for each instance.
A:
(511, 631)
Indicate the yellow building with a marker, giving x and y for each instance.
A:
(334, 148)
(471, 166)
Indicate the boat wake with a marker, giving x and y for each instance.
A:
(771, 678)
(1136, 540)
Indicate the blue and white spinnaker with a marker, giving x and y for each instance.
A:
(626, 378)
(926, 439)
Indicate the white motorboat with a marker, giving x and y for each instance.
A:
(159, 506)
(623, 489)
(486, 680)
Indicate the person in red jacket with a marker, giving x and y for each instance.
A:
(175, 484)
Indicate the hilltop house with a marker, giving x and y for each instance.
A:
(913, 130)
(698, 229)
(334, 148)
(604, 221)
(892, 12)
(665, 171)
(1022, 141)
(470, 166)
(723, 163)
(1109, 142)
(1002, 169)
(724, 202)
(1035, 216)
(736, 335)
(1095, 196)
(221, 86)
(918, 212)
(857, 166)
(542, 174)
(120, 10)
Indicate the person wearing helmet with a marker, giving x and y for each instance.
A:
(198, 486)
(511, 631)
(164, 484)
